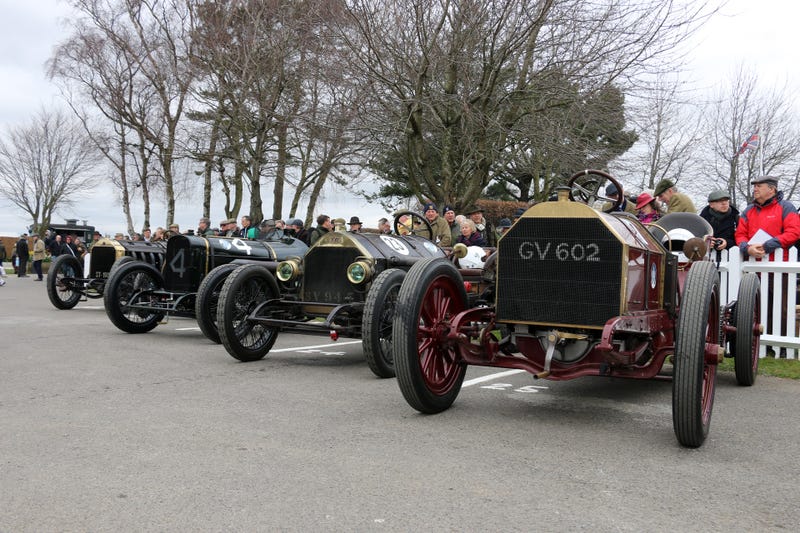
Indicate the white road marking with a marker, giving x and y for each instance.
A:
(490, 377)
(195, 328)
(90, 307)
(337, 343)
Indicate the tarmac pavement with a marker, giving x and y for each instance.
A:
(105, 431)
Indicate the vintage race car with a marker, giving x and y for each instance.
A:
(138, 295)
(68, 280)
(580, 292)
(346, 285)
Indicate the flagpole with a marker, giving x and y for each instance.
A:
(761, 154)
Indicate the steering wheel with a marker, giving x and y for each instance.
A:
(586, 185)
(412, 223)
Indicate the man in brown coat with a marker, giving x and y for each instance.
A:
(677, 202)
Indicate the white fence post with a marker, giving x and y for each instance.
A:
(732, 267)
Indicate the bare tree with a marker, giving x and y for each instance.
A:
(668, 121)
(140, 49)
(741, 110)
(452, 79)
(46, 166)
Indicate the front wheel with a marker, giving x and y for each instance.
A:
(379, 310)
(695, 378)
(428, 368)
(206, 302)
(129, 280)
(245, 289)
(62, 293)
(748, 323)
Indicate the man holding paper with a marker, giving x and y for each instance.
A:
(768, 223)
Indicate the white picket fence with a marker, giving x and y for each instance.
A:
(732, 266)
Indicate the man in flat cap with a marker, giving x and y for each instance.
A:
(723, 217)
(625, 206)
(677, 202)
(440, 227)
(772, 214)
(268, 230)
(227, 227)
(766, 225)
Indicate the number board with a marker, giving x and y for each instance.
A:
(559, 271)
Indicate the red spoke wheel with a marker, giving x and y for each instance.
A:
(748, 321)
(428, 368)
(695, 378)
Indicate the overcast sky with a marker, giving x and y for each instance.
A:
(762, 35)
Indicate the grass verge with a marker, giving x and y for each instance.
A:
(769, 366)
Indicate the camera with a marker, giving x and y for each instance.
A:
(716, 243)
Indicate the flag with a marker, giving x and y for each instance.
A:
(751, 143)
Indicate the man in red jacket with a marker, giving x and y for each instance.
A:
(778, 218)
(772, 214)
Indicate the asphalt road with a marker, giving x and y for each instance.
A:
(105, 431)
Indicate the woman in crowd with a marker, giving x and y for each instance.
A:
(646, 209)
(470, 234)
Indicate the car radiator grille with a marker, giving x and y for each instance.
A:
(559, 271)
(103, 258)
(325, 275)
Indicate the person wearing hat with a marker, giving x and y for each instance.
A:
(772, 214)
(449, 215)
(441, 229)
(677, 202)
(767, 224)
(624, 207)
(646, 210)
(38, 256)
(723, 218)
(503, 226)
(324, 225)
(268, 230)
(355, 225)
(300, 232)
(475, 214)
(339, 225)
(227, 227)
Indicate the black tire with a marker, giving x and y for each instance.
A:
(379, 312)
(61, 296)
(129, 279)
(428, 371)
(205, 304)
(246, 287)
(118, 263)
(748, 319)
(694, 380)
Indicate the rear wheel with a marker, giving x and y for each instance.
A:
(205, 305)
(129, 280)
(695, 378)
(748, 319)
(246, 288)
(428, 369)
(379, 312)
(61, 294)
